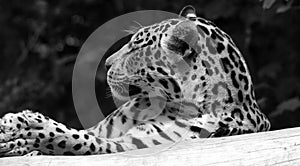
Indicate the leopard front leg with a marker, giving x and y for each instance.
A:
(25, 132)
(130, 114)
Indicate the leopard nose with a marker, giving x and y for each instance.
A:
(109, 62)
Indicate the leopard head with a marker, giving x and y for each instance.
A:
(157, 59)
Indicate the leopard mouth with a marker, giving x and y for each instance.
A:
(124, 92)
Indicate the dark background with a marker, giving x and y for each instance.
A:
(40, 41)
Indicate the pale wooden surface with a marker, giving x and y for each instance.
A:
(280, 147)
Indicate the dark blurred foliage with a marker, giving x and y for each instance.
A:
(40, 40)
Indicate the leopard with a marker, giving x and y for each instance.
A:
(180, 79)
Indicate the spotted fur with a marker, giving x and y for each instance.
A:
(182, 78)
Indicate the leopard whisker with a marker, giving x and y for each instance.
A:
(133, 29)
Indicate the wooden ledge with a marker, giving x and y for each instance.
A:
(281, 147)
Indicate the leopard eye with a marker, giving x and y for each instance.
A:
(138, 40)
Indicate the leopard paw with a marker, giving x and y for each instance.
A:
(22, 133)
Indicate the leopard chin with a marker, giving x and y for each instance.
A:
(120, 93)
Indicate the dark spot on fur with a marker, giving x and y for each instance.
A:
(77, 146)
(149, 78)
(36, 145)
(245, 107)
(109, 151)
(175, 85)
(230, 98)
(228, 119)
(160, 70)
(205, 30)
(257, 119)
(37, 140)
(39, 128)
(51, 140)
(111, 122)
(62, 144)
(226, 65)
(242, 67)
(155, 142)
(251, 120)
(50, 146)
(164, 83)
(245, 79)
(11, 146)
(240, 96)
(220, 47)
(231, 51)
(92, 147)
(59, 130)
(21, 119)
(194, 76)
(180, 124)
(157, 128)
(87, 153)
(38, 120)
(51, 134)
(123, 119)
(171, 117)
(233, 78)
(261, 127)
(215, 35)
(248, 99)
(195, 129)
(75, 136)
(138, 143)
(41, 135)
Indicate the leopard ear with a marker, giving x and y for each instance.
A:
(185, 32)
(188, 12)
(183, 40)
